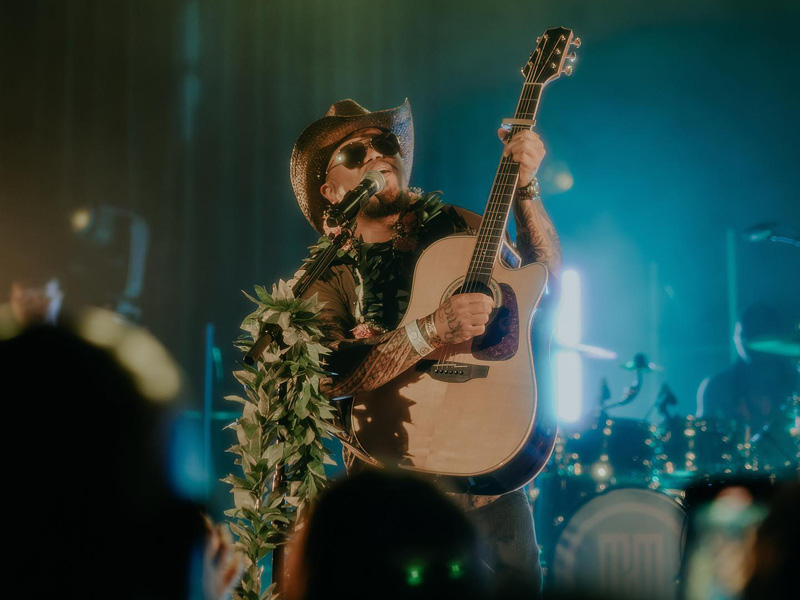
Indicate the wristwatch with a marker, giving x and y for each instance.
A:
(530, 191)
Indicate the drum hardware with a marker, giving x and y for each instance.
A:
(771, 231)
(640, 363)
(692, 447)
(612, 452)
(663, 401)
(625, 458)
(775, 447)
(586, 351)
(605, 392)
(786, 419)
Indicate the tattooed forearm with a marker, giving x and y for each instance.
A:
(537, 240)
(390, 355)
(452, 329)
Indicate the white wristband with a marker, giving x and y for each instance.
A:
(416, 339)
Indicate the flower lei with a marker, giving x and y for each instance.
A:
(382, 270)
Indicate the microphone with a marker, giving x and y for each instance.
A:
(771, 232)
(760, 232)
(665, 399)
(346, 210)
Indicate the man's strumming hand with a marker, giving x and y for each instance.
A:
(461, 318)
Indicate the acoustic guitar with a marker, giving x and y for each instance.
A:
(479, 415)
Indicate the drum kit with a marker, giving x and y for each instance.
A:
(609, 508)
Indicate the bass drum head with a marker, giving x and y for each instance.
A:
(624, 543)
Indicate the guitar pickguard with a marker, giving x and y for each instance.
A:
(501, 339)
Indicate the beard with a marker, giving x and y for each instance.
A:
(387, 204)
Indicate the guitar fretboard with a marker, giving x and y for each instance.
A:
(493, 225)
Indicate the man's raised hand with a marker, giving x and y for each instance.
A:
(525, 148)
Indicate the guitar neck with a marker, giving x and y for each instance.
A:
(545, 64)
(495, 218)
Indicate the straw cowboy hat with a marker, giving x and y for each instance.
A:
(315, 145)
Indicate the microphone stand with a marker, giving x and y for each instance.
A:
(272, 332)
(631, 392)
(664, 399)
(313, 272)
(765, 433)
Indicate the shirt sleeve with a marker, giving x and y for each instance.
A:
(337, 292)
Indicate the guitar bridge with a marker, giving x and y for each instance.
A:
(452, 372)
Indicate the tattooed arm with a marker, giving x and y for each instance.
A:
(367, 363)
(378, 359)
(536, 237)
(458, 319)
(537, 240)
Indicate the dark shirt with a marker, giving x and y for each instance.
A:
(749, 394)
(750, 402)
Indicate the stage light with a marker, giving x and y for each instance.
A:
(110, 257)
(414, 576)
(569, 371)
(569, 382)
(80, 220)
(154, 371)
(455, 570)
(564, 181)
(601, 471)
(568, 326)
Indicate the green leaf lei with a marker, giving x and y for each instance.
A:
(284, 419)
(284, 414)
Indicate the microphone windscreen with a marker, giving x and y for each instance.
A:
(759, 232)
(378, 178)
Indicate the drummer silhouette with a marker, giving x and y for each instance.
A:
(751, 392)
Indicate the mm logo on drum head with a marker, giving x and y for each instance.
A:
(624, 543)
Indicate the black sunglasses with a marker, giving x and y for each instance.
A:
(353, 154)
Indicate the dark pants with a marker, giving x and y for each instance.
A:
(508, 543)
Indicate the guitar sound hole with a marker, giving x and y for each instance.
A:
(475, 287)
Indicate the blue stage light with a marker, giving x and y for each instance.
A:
(569, 370)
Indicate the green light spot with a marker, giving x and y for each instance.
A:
(455, 570)
(414, 576)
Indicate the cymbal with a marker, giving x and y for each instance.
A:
(780, 345)
(587, 351)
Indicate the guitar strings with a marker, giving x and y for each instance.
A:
(506, 171)
(507, 174)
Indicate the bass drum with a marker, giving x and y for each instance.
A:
(624, 543)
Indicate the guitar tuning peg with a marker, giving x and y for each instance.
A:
(576, 42)
(538, 39)
(572, 57)
(568, 70)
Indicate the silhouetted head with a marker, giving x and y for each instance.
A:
(96, 516)
(757, 320)
(388, 535)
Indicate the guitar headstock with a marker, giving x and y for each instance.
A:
(552, 56)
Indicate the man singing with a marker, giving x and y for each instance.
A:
(365, 292)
